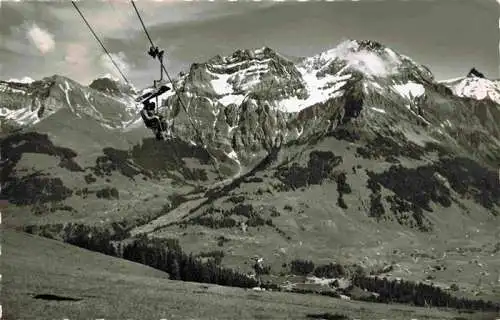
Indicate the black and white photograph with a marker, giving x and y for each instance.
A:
(221, 159)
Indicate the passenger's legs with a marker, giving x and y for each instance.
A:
(157, 123)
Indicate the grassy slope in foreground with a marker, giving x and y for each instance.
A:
(111, 288)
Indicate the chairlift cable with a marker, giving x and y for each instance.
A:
(98, 40)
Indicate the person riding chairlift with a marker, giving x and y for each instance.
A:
(152, 120)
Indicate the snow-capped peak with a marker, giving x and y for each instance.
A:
(292, 85)
(114, 79)
(369, 58)
(475, 86)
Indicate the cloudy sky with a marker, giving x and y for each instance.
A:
(39, 39)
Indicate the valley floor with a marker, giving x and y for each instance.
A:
(110, 288)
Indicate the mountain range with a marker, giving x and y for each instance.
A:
(284, 94)
(356, 155)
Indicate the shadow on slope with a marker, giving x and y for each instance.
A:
(14, 146)
(319, 168)
(161, 157)
(54, 297)
(415, 188)
(156, 160)
(35, 187)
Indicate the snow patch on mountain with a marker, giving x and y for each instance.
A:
(320, 89)
(378, 109)
(446, 123)
(7, 89)
(26, 80)
(23, 116)
(232, 98)
(66, 89)
(233, 155)
(409, 90)
(221, 83)
(230, 76)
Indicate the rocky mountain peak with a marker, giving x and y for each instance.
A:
(112, 86)
(257, 73)
(475, 73)
(105, 85)
(370, 45)
(26, 104)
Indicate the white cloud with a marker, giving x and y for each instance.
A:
(85, 62)
(42, 39)
(76, 53)
(368, 63)
(80, 61)
(363, 60)
(121, 61)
